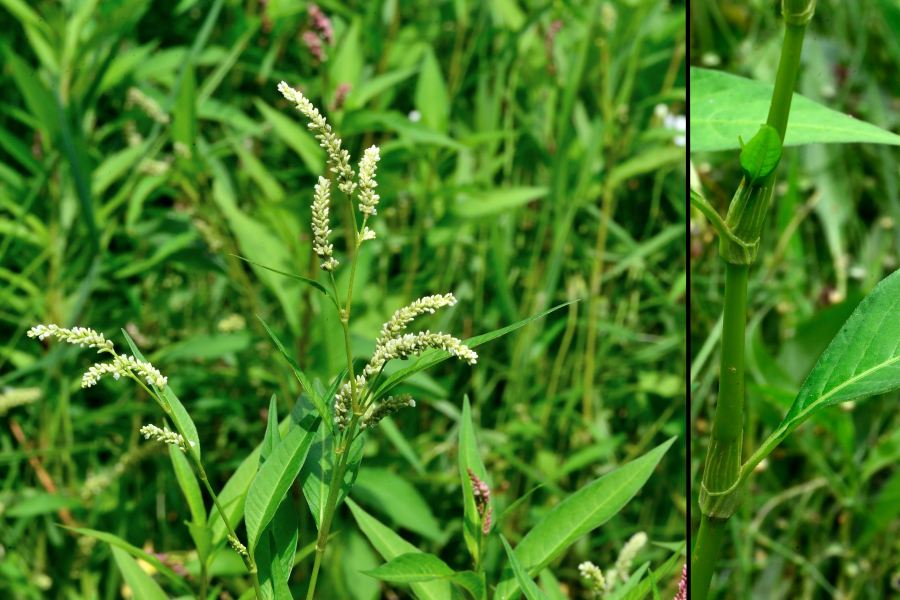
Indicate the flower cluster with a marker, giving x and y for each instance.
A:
(601, 584)
(338, 157)
(12, 397)
(482, 494)
(682, 585)
(148, 105)
(124, 366)
(379, 410)
(164, 435)
(237, 545)
(594, 575)
(626, 557)
(81, 336)
(404, 316)
(368, 199)
(321, 230)
(320, 32)
(390, 348)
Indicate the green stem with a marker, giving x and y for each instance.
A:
(703, 561)
(722, 473)
(248, 559)
(334, 488)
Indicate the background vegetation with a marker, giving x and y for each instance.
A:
(524, 164)
(823, 516)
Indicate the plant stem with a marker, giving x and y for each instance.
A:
(703, 563)
(334, 488)
(722, 473)
(723, 460)
(248, 559)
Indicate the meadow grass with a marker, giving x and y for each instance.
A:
(146, 149)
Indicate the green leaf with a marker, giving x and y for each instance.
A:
(233, 495)
(272, 437)
(113, 540)
(316, 399)
(633, 580)
(143, 587)
(580, 513)
(295, 136)
(435, 357)
(761, 154)
(275, 552)
(529, 587)
(498, 201)
(188, 484)
(256, 241)
(650, 160)
(662, 573)
(390, 545)
(432, 100)
(347, 63)
(274, 478)
(470, 458)
(724, 107)
(176, 410)
(395, 497)
(299, 278)
(316, 473)
(412, 567)
(862, 360)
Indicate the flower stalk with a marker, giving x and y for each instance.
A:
(356, 407)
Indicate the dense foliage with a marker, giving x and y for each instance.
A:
(526, 162)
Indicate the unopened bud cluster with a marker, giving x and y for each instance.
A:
(482, 494)
(121, 365)
(165, 435)
(80, 336)
(391, 344)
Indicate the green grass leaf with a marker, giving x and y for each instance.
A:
(143, 587)
(580, 513)
(115, 541)
(412, 567)
(498, 201)
(188, 484)
(390, 545)
(399, 500)
(295, 136)
(308, 387)
(432, 100)
(725, 106)
(529, 587)
(274, 478)
(300, 278)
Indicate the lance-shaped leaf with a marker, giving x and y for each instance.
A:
(274, 478)
(862, 360)
(580, 513)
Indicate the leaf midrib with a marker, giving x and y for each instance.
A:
(824, 397)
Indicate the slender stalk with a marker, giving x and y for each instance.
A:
(723, 474)
(334, 488)
(248, 559)
(708, 545)
(342, 451)
(723, 459)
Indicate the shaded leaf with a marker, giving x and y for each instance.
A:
(725, 106)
